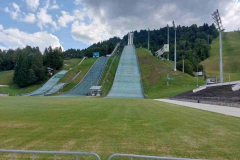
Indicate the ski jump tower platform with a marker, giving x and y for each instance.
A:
(127, 82)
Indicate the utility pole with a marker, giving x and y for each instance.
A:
(197, 74)
(175, 48)
(148, 38)
(219, 26)
(168, 41)
(183, 63)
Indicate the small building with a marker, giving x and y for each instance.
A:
(50, 70)
(95, 90)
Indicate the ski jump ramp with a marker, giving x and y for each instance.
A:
(127, 82)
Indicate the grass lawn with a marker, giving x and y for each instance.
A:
(84, 67)
(71, 63)
(108, 126)
(154, 77)
(231, 56)
(6, 77)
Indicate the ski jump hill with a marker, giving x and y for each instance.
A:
(127, 82)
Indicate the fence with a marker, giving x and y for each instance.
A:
(77, 154)
(231, 102)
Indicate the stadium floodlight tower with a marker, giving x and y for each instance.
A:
(219, 26)
(175, 48)
(148, 38)
(168, 41)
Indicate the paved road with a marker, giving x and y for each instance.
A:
(230, 111)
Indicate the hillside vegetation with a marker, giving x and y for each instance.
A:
(231, 57)
(154, 77)
(6, 77)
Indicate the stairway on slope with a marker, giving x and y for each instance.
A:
(92, 78)
(127, 82)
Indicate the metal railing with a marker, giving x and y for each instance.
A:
(55, 153)
(131, 156)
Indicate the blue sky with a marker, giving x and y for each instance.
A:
(79, 23)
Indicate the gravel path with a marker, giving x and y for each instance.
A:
(230, 111)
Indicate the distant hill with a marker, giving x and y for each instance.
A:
(231, 57)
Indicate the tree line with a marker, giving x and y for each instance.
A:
(29, 64)
(193, 43)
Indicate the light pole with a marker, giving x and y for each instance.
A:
(168, 41)
(219, 26)
(183, 63)
(175, 48)
(197, 74)
(148, 38)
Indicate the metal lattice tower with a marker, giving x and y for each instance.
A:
(219, 26)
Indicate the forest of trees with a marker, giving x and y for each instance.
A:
(192, 42)
(30, 66)
(104, 48)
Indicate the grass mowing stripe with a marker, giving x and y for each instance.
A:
(108, 126)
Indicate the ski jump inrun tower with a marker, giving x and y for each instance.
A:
(130, 38)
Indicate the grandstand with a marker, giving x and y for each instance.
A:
(92, 78)
(215, 94)
(127, 82)
(49, 84)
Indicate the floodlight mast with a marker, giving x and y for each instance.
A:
(168, 41)
(219, 26)
(175, 48)
(148, 38)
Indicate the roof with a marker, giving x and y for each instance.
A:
(96, 88)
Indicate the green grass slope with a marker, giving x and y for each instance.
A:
(71, 63)
(6, 77)
(231, 57)
(109, 81)
(108, 126)
(84, 67)
(154, 77)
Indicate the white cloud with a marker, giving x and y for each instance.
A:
(32, 4)
(89, 33)
(30, 18)
(231, 20)
(16, 7)
(79, 14)
(15, 13)
(44, 19)
(65, 19)
(55, 5)
(1, 27)
(6, 9)
(14, 38)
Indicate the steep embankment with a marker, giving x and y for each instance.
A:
(154, 77)
(231, 57)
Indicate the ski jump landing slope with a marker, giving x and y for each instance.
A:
(91, 79)
(127, 82)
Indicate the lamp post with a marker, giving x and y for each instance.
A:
(183, 63)
(148, 38)
(175, 48)
(219, 26)
(168, 42)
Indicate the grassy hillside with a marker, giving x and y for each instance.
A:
(71, 63)
(231, 57)
(109, 82)
(154, 77)
(84, 67)
(6, 77)
(108, 126)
